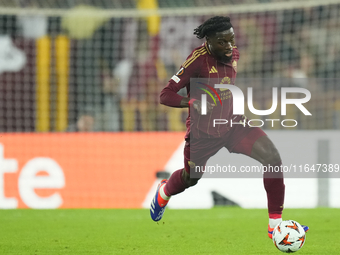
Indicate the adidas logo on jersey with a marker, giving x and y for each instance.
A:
(213, 70)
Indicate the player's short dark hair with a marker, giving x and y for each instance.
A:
(212, 26)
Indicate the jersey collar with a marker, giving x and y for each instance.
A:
(207, 47)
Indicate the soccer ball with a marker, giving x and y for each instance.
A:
(289, 236)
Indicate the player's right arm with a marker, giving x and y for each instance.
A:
(169, 96)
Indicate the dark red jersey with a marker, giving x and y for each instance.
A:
(201, 64)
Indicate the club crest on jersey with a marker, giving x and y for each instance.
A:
(225, 80)
(180, 72)
(235, 65)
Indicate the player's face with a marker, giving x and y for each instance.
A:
(221, 45)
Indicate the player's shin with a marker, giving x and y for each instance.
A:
(275, 188)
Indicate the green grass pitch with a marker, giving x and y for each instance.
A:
(224, 230)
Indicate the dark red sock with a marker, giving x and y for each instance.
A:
(175, 184)
(275, 188)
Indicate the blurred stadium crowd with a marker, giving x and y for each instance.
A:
(115, 67)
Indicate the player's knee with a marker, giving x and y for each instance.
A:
(189, 181)
(193, 182)
(265, 151)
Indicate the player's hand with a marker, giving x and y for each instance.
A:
(197, 106)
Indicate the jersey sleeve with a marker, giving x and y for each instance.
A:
(189, 69)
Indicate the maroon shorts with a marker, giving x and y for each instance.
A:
(238, 140)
